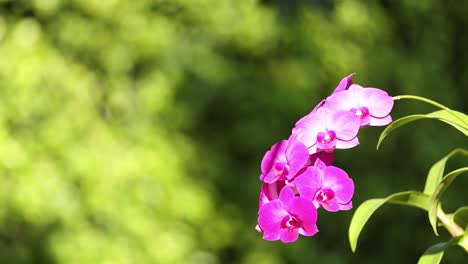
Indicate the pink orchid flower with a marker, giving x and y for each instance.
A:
(371, 105)
(287, 217)
(283, 161)
(326, 130)
(327, 186)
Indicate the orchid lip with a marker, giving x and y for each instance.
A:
(290, 222)
(324, 195)
(281, 168)
(273, 190)
(327, 137)
(361, 112)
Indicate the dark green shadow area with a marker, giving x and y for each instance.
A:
(23, 242)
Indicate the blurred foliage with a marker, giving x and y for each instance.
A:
(132, 131)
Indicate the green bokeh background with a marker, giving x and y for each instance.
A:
(132, 131)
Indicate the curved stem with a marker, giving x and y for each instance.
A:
(422, 99)
(454, 229)
(429, 101)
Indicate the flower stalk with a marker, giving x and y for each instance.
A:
(453, 228)
(428, 101)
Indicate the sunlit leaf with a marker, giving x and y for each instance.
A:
(437, 171)
(434, 254)
(456, 119)
(461, 217)
(435, 198)
(366, 209)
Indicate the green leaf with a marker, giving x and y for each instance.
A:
(460, 217)
(437, 171)
(435, 198)
(434, 254)
(456, 119)
(366, 209)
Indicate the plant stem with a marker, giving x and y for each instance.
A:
(451, 226)
(454, 229)
(464, 243)
(429, 101)
(414, 97)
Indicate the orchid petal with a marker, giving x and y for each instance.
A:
(344, 83)
(258, 229)
(341, 101)
(270, 216)
(331, 205)
(286, 194)
(289, 235)
(339, 181)
(270, 192)
(327, 157)
(380, 121)
(275, 154)
(305, 210)
(347, 144)
(320, 164)
(309, 182)
(297, 156)
(345, 207)
(264, 196)
(271, 236)
(307, 128)
(378, 101)
(313, 230)
(271, 177)
(345, 124)
(317, 107)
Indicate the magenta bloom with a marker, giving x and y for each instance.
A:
(326, 130)
(327, 186)
(371, 105)
(287, 217)
(283, 161)
(298, 174)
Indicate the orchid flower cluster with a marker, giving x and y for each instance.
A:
(298, 173)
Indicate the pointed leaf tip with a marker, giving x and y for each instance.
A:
(444, 183)
(437, 171)
(434, 254)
